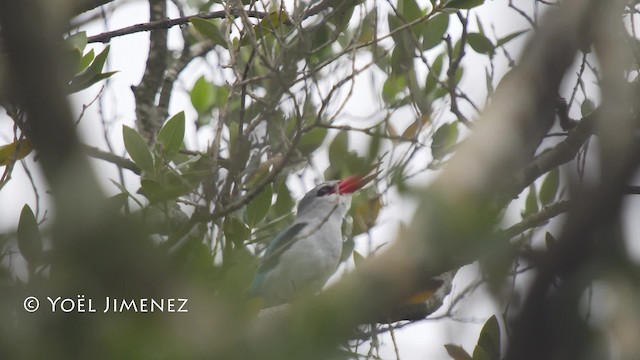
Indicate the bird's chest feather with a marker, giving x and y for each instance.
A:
(309, 263)
(317, 252)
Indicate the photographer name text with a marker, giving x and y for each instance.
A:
(82, 304)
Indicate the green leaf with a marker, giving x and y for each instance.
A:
(434, 75)
(488, 346)
(270, 24)
(87, 59)
(94, 69)
(77, 40)
(480, 44)
(358, 259)
(338, 149)
(258, 208)
(531, 203)
(137, 149)
(409, 10)
(353, 164)
(15, 151)
(587, 107)
(347, 249)
(209, 29)
(463, 4)
(374, 146)
(479, 22)
(392, 88)
(506, 39)
(342, 16)
(171, 135)
(549, 188)
(97, 78)
(284, 203)
(312, 140)
(157, 192)
(150, 188)
(236, 231)
(444, 140)
(92, 74)
(117, 201)
(202, 95)
(364, 211)
(457, 352)
(458, 76)
(480, 354)
(29, 239)
(434, 31)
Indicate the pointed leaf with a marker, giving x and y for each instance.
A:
(347, 249)
(434, 31)
(434, 75)
(549, 188)
(444, 140)
(463, 4)
(506, 39)
(171, 135)
(392, 88)
(413, 129)
(79, 81)
(15, 151)
(137, 149)
(409, 10)
(117, 201)
(358, 259)
(365, 212)
(312, 140)
(29, 239)
(77, 40)
(587, 107)
(338, 149)
(488, 346)
(531, 203)
(209, 29)
(236, 231)
(87, 59)
(480, 44)
(202, 95)
(457, 352)
(259, 206)
(75, 87)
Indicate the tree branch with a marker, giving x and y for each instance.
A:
(149, 118)
(112, 158)
(535, 220)
(562, 153)
(163, 24)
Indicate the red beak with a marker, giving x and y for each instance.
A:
(354, 182)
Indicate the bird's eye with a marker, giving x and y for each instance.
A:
(326, 190)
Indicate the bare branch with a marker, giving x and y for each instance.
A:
(149, 118)
(163, 24)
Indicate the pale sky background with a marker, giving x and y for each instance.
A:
(422, 340)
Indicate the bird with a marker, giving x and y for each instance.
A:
(299, 260)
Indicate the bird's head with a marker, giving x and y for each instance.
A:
(332, 196)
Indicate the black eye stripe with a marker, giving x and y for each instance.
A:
(325, 190)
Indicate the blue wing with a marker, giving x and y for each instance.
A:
(278, 245)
